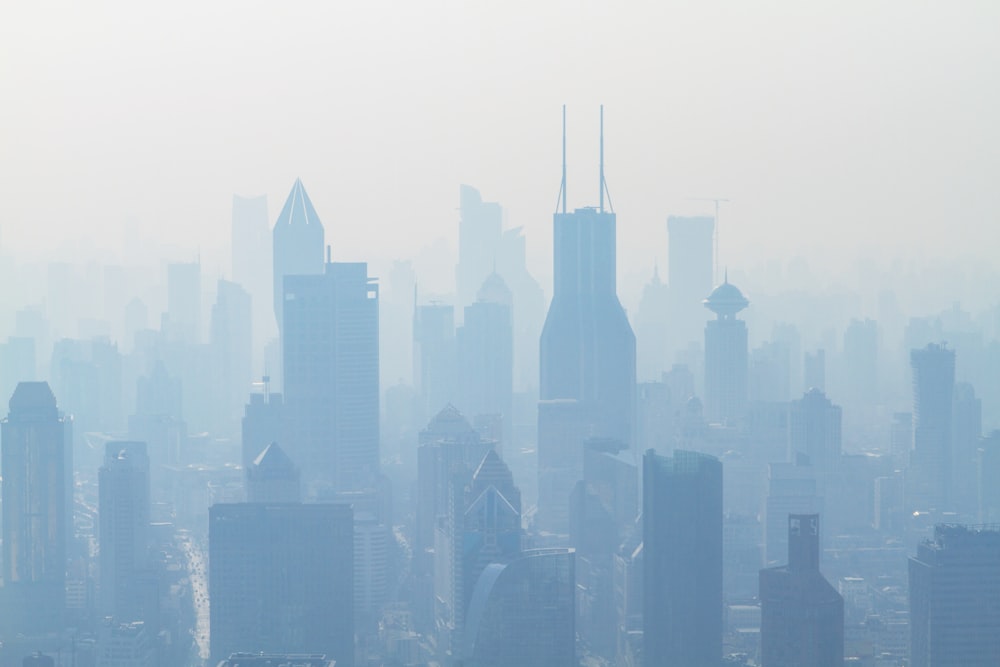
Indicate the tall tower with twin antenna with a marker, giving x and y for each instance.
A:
(587, 352)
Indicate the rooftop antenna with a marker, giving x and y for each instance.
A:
(562, 185)
(604, 183)
(716, 200)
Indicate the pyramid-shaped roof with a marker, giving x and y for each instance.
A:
(298, 208)
(273, 459)
(449, 421)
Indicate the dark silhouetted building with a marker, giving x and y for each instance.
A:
(297, 244)
(522, 613)
(955, 598)
(726, 358)
(331, 371)
(36, 461)
(281, 579)
(123, 517)
(682, 559)
(802, 615)
(273, 478)
(929, 477)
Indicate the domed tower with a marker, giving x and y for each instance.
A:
(726, 355)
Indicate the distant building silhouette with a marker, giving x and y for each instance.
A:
(814, 430)
(814, 373)
(802, 615)
(689, 276)
(726, 362)
(183, 316)
(128, 590)
(273, 478)
(954, 588)
(861, 364)
(929, 477)
(263, 422)
(331, 356)
(435, 356)
(966, 432)
(36, 461)
(522, 613)
(297, 244)
(682, 559)
(486, 355)
(281, 579)
(792, 488)
(653, 329)
(230, 337)
(479, 232)
(252, 260)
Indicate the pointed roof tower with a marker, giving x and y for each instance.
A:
(298, 208)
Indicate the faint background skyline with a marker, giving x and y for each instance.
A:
(838, 130)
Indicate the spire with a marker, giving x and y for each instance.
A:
(602, 160)
(298, 208)
(562, 184)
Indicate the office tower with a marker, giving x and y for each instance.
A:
(587, 348)
(814, 431)
(966, 431)
(689, 276)
(262, 423)
(273, 478)
(183, 317)
(17, 363)
(929, 476)
(815, 370)
(770, 372)
(792, 488)
(486, 355)
(725, 355)
(901, 439)
(125, 644)
(522, 613)
(435, 357)
(297, 244)
(954, 588)
(330, 345)
(802, 615)
(682, 557)
(528, 310)
(987, 472)
(36, 461)
(123, 518)
(563, 426)
(861, 363)
(232, 353)
(653, 328)
(251, 261)
(281, 579)
(479, 234)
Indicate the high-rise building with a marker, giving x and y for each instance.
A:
(263, 422)
(929, 477)
(486, 355)
(36, 461)
(123, 518)
(232, 353)
(281, 579)
(653, 329)
(966, 431)
(689, 276)
(814, 374)
(954, 588)
(682, 559)
(587, 345)
(297, 244)
(252, 258)
(726, 363)
(563, 427)
(331, 394)
(435, 356)
(814, 430)
(792, 488)
(528, 308)
(479, 234)
(802, 615)
(522, 613)
(273, 478)
(861, 364)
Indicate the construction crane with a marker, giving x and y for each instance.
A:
(717, 200)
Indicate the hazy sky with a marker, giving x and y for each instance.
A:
(836, 129)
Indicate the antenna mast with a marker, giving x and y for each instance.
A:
(602, 159)
(562, 188)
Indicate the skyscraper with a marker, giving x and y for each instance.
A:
(726, 364)
(36, 461)
(184, 302)
(954, 589)
(232, 352)
(330, 345)
(281, 579)
(689, 277)
(486, 355)
(479, 233)
(252, 263)
(587, 345)
(682, 557)
(522, 613)
(929, 477)
(435, 356)
(123, 517)
(814, 430)
(273, 478)
(297, 244)
(802, 615)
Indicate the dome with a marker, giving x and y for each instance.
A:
(726, 300)
(494, 290)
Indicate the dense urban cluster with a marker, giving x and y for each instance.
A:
(576, 486)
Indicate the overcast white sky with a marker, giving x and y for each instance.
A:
(836, 128)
